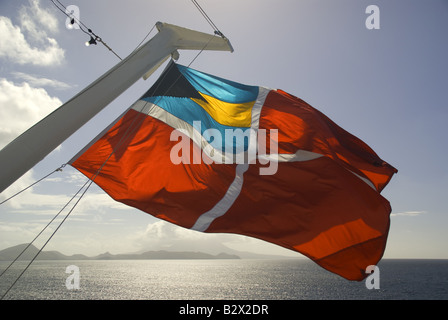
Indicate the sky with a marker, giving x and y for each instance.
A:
(385, 85)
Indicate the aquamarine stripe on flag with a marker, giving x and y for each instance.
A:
(222, 89)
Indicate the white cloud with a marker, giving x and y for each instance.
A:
(14, 233)
(37, 21)
(37, 24)
(408, 213)
(22, 106)
(163, 231)
(41, 82)
(164, 235)
(99, 203)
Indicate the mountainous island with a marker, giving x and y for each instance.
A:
(11, 253)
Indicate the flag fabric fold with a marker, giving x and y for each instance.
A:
(302, 182)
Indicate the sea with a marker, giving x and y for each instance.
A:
(189, 280)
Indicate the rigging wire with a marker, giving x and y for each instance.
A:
(126, 134)
(36, 182)
(207, 18)
(62, 166)
(93, 37)
(37, 236)
(122, 139)
(89, 182)
(147, 35)
(89, 32)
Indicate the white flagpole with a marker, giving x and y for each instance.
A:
(37, 142)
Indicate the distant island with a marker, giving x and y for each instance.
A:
(11, 253)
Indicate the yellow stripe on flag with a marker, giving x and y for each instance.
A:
(225, 113)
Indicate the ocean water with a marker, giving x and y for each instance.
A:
(221, 280)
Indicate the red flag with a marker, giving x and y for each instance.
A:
(171, 156)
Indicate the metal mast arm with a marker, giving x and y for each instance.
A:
(37, 142)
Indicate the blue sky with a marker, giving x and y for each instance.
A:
(386, 86)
